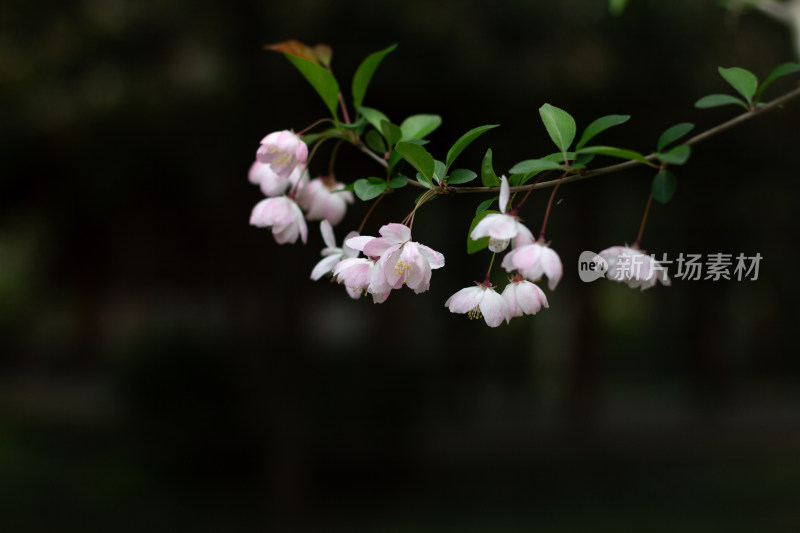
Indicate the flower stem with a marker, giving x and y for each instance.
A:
(409, 220)
(487, 279)
(334, 153)
(638, 242)
(549, 206)
(314, 125)
(369, 212)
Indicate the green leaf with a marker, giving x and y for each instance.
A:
(418, 126)
(599, 126)
(672, 134)
(780, 71)
(461, 175)
(373, 116)
(676, 156)
(664, 185)
(744, 81)
(391, 133)
(480, 244)
(321, 79)
(483, 206)
(465, 141)
(534, 165)
(488, 177)
(716, 100)
(375, 142)
(398, 182)
(560, 126)
(616, 152)
(367, 189)
(438, 171)
(418, 157)
(364, 74)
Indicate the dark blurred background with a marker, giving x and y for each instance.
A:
(165, 366)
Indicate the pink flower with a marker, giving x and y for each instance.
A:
(355, 273)
(400, 260)
(501, 228)
(283, 151)
(523, 298)
(271, 183)
(331, 255)
(285, 217)
(534, 261)
(325, 199)
(633, 267)
(479, 301)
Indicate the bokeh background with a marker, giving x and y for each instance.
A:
(165, 366)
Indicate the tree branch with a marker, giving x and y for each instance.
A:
(769, 106)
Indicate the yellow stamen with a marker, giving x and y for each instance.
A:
(475, 314)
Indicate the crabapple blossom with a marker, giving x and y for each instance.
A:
(355, 274)
(331, 254)
(501, 227)
(523, 298)
(283, 151)
(325, 199)
(400, 260)
(480, 301)
(283, 215)
(271, 183)
(633, 267)
(534, 261)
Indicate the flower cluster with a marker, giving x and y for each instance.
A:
(280, 171)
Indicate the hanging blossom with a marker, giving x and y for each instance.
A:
(331, 254)
(284, 216)
(355, 273)
(501, 227)
(283, 151)
(480, 301)
(399, 260)
(523, 298)
(632, 266)
(272, 184)
(533, 261)
(324, 198)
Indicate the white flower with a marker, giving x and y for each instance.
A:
(479, 301)
(271, 183)
(331, 255)
(285, 217)
(534, 261)
(325, 199)
(283, 151)
(400, 260)
(523, 298)
(501, 228)
(633, 267)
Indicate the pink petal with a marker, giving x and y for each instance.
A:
(505, 194)
(397, 233)
(435, 259)
(551, 264)
(327, 234)
(379, 247)
(465, 300)
(357, 242)
(496, 226)
(324, 266)
(493, 307)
